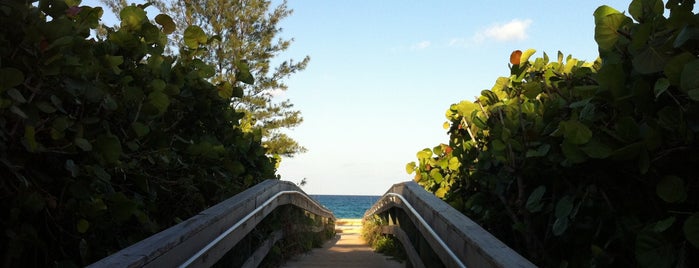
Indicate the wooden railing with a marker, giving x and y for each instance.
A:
(203, 239)
(435, 234)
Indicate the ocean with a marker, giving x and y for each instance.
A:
(347, 206)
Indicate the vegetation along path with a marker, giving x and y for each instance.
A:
(347, 249)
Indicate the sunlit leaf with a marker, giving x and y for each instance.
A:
(194, 36)
(132, 17)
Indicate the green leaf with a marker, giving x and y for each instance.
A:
(132, 17)
(607, 22)
(29, 136)
(83, 144)
(564, 207)
(166, 22)
(575, 132)
(661, 86)
(641, 10)
(45, 107)
(671, 189)
(16, 95)
(540, 151)
(109, 147)
(454, 163)
(194, 36)
(596, 149)
(649, 61)
(689, 32)
(10, 77)
(653, 250)
(159, 100)
(243, 74)
(691, 230)
(663, 225)
(674, 67)
(560, 226)
(534, 201)
(693, 94)
(82, 226)
(424, 154)
(410, 167)
(573, 153)
(140, 129)
(436, 175)
(526, 55)
(689, 79)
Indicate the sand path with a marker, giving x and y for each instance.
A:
(347, 249)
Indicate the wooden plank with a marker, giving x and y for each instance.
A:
(410, 251)
(175, 245)
(473, 245)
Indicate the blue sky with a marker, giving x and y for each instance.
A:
(383, 73)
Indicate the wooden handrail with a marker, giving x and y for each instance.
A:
(177, 245)
(457, 236)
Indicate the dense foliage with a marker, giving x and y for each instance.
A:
(104, 142)
(577, 164)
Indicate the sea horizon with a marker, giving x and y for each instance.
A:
(346, 206)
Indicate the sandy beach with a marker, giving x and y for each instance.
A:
(347, 249)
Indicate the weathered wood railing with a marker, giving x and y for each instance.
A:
(435, 234)
(203, 239)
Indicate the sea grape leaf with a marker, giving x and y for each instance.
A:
(534, 201)
(663, 225)
(564, 207)
(82, 226)
(607, 21)
(560, 226)
(16, 95)
(140, 129)
(661, 86)
(159, 100)
(109, 147)
(410, 167)
(653, 250)
(166, 22)
(649, 61)
(691, 229)
(689, 79)
(194, 36)
(132, 17)
(671, 189)
(83, 144)
(674, 67)
(575, 132)
(10, 77)
(243, 74)
(526, 55)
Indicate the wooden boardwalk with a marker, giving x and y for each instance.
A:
(347, 249)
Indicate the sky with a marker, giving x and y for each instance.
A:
(383, 73)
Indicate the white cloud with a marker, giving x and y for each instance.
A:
(514, 30)
(420, 46)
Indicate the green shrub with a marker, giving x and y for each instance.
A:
(104, 142)
(585, 164)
